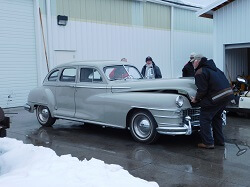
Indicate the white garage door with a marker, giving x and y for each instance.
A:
(18, 73)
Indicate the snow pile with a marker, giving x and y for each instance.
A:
(29, 166)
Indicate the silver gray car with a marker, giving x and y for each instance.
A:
(114, 94)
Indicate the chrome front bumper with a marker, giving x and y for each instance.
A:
(185, 121)
(185, 130)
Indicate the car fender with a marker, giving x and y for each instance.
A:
(42, 96)
(159, 104)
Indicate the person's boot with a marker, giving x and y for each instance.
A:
(204, 146)
(219, 143)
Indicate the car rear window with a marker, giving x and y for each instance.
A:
(53, 76)
(68, 75)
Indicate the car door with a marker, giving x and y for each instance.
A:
(90, 89)
(65, 93)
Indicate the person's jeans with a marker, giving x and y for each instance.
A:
(211, 124)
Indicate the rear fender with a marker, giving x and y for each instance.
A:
(42, 96)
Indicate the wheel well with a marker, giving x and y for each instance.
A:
(130, 113)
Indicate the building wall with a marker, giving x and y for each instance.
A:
(113, 29)
(190, 34)
(231, 26)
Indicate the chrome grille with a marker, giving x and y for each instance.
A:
(194, 113)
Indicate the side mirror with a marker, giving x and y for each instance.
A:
(241, 79)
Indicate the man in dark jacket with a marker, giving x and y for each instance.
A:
(188, 69)
(213, 94)
(150, 70)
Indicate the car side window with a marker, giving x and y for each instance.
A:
(68, 75)
(90, 75)
(53, 76)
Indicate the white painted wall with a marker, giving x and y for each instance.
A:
(81, 40)
(186, 43)
(231, 26)
(93, 41)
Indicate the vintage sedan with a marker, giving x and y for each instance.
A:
(114, 94)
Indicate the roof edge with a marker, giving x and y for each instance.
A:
(208, 11)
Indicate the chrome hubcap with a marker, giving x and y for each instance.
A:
(142, 126)
(43, 114)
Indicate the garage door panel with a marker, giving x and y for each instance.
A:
(18, 70)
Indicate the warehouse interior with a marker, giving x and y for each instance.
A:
(237, 61)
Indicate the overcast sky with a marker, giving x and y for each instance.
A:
(199, 2)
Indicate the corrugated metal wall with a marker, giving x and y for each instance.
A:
(231, 26)
(18, 72)
(187, 21)
(117, 12)
(113, 29)
(236, 63)
(191, 34)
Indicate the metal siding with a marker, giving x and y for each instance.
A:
(117, 12)
(17, 52)
(232, 25)
(186, 20)
(185, 43)
(101, 41)
(96, 40)
(236, 63)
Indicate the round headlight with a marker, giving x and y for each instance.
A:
(179, 101)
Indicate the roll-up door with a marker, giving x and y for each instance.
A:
(18, 67)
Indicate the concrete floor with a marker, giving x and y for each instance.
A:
(171, 161)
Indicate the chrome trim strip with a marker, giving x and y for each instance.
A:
(159, 109)
(194, 114)
(170, 124)
(121, 87)
(89, 121)
(92, 87)
(71, 86)
(171, 117)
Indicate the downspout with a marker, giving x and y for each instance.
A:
(44, 42)
(38, 42)
(172, 42)
(49, 33)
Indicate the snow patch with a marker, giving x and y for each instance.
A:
(28, 165)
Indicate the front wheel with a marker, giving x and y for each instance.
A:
(44, 117)
(143, 127)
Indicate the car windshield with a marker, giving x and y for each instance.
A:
(120, 72)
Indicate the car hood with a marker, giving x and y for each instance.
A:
(181, 85)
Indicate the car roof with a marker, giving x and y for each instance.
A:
(96, 63)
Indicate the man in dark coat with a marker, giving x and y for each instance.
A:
(188, 69)
(213, 94)
(150, 70)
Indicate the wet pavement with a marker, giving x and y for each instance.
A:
(171, 161)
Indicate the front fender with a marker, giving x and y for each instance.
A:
(159, 104)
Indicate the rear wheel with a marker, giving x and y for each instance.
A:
(44, 117)
(143, 127)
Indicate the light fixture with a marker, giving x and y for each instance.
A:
(62, 20)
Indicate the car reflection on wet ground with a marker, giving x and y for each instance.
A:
(171, 161)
